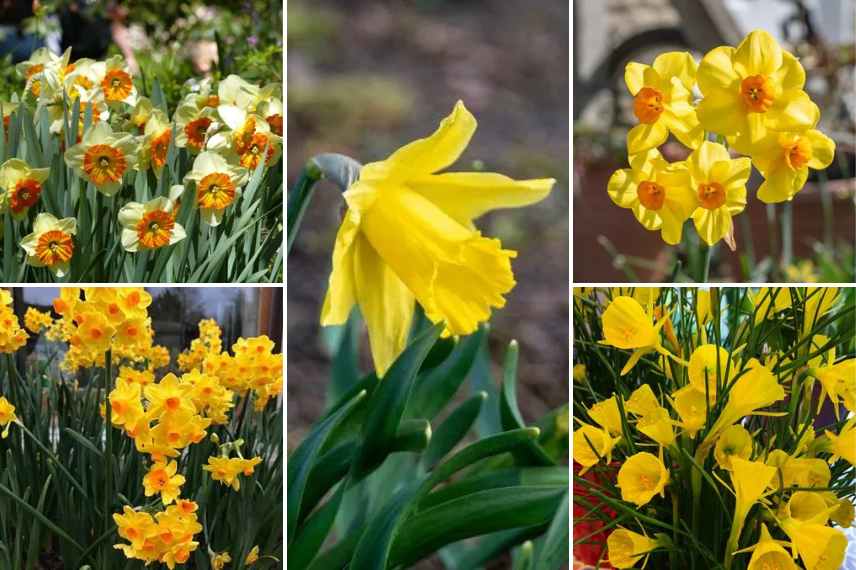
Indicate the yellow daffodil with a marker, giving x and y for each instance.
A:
(161, 478)
(691, 407)
(36, 320)
(135, 527)
(646, 296)
(753, 88)
(750, 480)
(626, 325)
(247, 138)
(844, 511)
(607, 416)
(805, 472)
(818, 302)
(117, 85)
(151, 225)
(658, 425)
(51, 244)
(217, 183)
(734, 441)
(784, 159)
(219, 560)
(626, 548)
(662, 101)
(579, 373)
(807, 506)
(103, 157)
(7, 416)
(21, 186)
(408, 235)
(708, 367)
(843, 445)
(769, 301)
(252, 556)
(191, 125)
(642, 401)
(819, 547)
(720, 186)
(657, 192)
(837, 381)
(704, 310)
(126, 403)
(768, 554)
(226, 470)
(642, 476)
(591, 444)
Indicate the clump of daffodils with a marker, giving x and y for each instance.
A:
(752, 102)
(226, 129)
(723, 419)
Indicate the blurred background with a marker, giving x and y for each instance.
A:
(176, 42)
(609, 244)
(175, 313)
(364, 80)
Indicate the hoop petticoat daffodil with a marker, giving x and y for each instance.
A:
(657, 192)
(103, 157)
(151, 225)
(641, 477)
(662, 102)
(22, 186)
(626, 548)
(217, 182)
(408, 235)
(720, 186)
(753, 88)
(784, 159)
(51, 244)
(626, 325)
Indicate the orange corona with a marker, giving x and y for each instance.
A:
(103, 163)
(215, 191)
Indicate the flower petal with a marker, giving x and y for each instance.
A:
(678, 64)
(780, 185)
(721, 111)
(646, 136)
(634, 74)
(822, 149)
(793, 111)
(712, 225)
(716, 70)
(622, 189)
(341, 290)
(791, 74)
(467, 195)
(702, 159)
(757, 54)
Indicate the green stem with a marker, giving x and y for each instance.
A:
(826, 205)
(299, 199)
(787, 234)
(108, 454)
(706, 268)
(734, 537)
(771, 230)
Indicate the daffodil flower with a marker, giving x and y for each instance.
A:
(734, 441)
(657, 192)
(769, 301)
(662, 102)
(247, 138)
(408, 235)
(784, 159)
(7, 416)
(217, 182)
(707, 368)
(51, 244)
(769, 553)
(625, 548)
(22, 186)
(818, 302)
(151, 225)
(658, 425)
(750, 480)
(820, 547)
(838, 381)
(117, 85)
(843, 445)
(155, 143)
(607, 416)
(103, 157)
(691, 407)
(642, 401)
(626, 325)
(720, 186)
(753, 88)
(641, 477)
(591, 444)
(191, 125)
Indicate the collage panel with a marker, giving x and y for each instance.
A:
(428, 262)
(714, 427)
(141, 426)
(141, 141)
(714, 141)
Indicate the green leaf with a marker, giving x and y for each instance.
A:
(304, 457)
(313, 533)
(453, 430)
(553, 552)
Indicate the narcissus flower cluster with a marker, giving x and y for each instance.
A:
(229, 129)
(694, 410)
(753, 100)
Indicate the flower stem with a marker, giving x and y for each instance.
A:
(734, 537)
(787, 234)
(299, 199)
(108, 454)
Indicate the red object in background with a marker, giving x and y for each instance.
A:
(594, 548)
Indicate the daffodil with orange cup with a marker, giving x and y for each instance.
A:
(21, 186)
(217, 184)
(103, 157)
(116, 84)
(51, 244)
(151, 225)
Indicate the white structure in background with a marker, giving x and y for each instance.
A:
(833, 19)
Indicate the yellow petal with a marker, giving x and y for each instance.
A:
(757, 54)
(716, 71)
(649, 219)
(467, 195)
(456, 274)
(791, 75)
(622, 189)
(627, 325)
(678, 64)
(646, 136)
(436, 152)
(702, 159)
(793, 111)
(721, 111)
(822, 149)
(712, 225)
(781, 185)
(634, 76)
(385, 303)
(341, 292)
